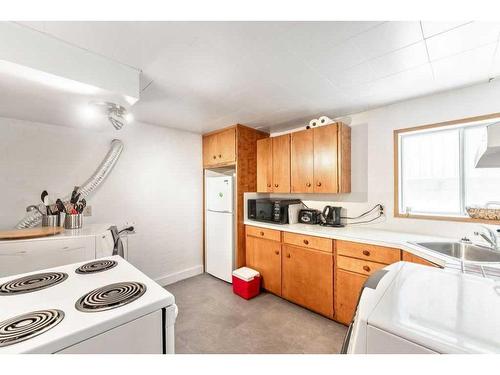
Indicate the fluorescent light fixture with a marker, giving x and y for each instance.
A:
(47, 79)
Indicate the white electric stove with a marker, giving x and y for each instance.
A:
(410, 308)
(102, 306)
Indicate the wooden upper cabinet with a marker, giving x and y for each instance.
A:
(307, 278)
(265, 165)
(310, 161)
(273, 164)
(301, 162)
(281, 164)
(325, 159)
(219, 148)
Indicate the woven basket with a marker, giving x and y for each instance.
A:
(484, 213)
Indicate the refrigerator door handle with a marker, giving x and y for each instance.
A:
(222, 212)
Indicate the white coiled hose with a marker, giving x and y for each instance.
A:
(34, 217)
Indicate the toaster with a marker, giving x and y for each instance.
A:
(309, 216)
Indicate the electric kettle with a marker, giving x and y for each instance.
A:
(332, 217)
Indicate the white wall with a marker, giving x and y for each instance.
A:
(156, 184)
(372, 154)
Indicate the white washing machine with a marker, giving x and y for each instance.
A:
(409, 308)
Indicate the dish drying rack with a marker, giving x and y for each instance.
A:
(477, 269)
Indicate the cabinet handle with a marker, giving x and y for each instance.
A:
(288, 255)
(318, 183)
(276, 252)
(215, 157)
(261, 233)
(308, 184)
(366, 268)
(220, 156)
(366, 252)
(306, 242)
(269, 185)
(276, 185)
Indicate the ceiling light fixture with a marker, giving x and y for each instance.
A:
(117, 115)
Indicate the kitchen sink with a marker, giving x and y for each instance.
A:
(466, 251)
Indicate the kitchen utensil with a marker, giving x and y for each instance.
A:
(75, 195)
(50, 220)
(81, 206)
(29, 233)
(60, 206)
(45, 200)
(73, 221)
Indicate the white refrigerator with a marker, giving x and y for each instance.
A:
(219, 226)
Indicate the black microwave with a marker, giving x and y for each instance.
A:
(270, 210)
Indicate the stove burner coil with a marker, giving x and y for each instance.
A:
(110, 296)
(96, 266)
(26, 326)
(32, 283)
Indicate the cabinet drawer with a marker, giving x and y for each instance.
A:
(363, 267)
(310, 242)
(270, 234)
(381, 254)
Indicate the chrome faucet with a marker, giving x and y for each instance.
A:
(489, 236)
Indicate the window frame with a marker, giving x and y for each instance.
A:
(397, 167)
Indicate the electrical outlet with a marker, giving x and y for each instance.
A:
(87, 211)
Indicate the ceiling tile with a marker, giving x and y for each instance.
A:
(467, 37)
(465, 68)
(308, 38)
(400, 60)
(388, 37)
(337, 58)
(431, 28)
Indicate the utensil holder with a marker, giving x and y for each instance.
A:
(73, 221)
(50, 220)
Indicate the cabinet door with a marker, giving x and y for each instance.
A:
(281, 164)
(265, 256)
(226, 146)
(209, 150)
(348, 285)
(307, 278)
(301, 161)
(265, 165)
(325, 159)
(27, 256)
(409, 257)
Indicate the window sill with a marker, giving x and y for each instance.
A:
(447, 218)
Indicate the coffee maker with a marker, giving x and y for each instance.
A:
(333, 217)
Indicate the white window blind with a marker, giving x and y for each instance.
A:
(437, 174)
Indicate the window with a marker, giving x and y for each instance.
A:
(436, 170)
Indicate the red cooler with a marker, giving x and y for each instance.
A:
(246, 282)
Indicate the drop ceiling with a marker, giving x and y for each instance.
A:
(199, 76)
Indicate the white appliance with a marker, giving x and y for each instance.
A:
(105, 306)
(91, 242)
(411, 308)
(219, 226)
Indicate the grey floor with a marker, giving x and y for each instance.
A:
(214, 320)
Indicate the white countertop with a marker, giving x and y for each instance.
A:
(87, 230)
(400, 240)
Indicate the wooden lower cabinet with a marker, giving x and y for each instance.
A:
(348, 286)
(265, 256)
(409, 257)
(307, 278)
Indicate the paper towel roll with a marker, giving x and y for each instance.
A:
(324, 120)
(314, 123)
